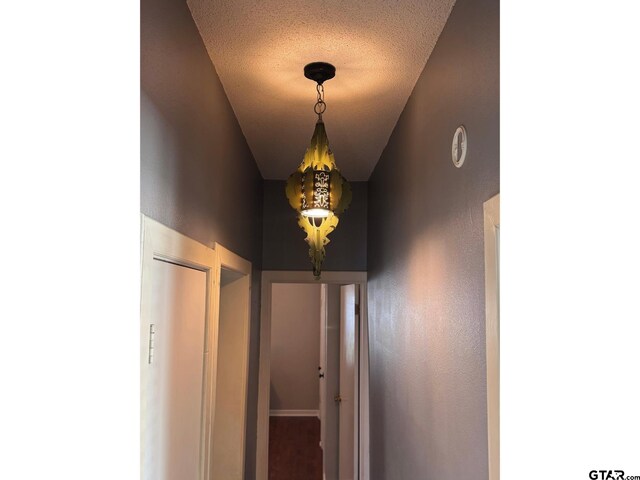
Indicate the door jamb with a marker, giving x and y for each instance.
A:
(269, 277)
(225, 258)
(492, 326)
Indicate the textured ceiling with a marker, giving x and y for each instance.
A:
(259, 49)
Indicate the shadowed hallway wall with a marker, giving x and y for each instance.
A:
(426, 261)
(198, 175)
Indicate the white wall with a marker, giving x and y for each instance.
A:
(295, 347)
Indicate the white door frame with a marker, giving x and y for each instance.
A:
(227, 259)
(162, 243)
(269, 277)
(159, 242)
(492, 326)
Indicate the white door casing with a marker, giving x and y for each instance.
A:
(322, 367)
(492, 307)
(363, 381)
(230, 393)
(348, 397)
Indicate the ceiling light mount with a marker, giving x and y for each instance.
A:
(319, 72)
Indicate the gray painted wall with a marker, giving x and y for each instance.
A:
(284, 247)
(197, 173)
(295, 346)
(426, 262)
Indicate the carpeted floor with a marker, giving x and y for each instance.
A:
(294, 448)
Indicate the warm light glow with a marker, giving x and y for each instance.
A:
(316, 189)
(316, 212)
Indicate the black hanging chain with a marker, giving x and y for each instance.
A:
(320, 106)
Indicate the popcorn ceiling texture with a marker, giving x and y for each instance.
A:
(259, 49)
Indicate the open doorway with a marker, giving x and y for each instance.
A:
(227, 450)
(294, 399)
(313, 372)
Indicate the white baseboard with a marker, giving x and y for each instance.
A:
(294, 413)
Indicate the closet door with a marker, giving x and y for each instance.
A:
(175, 372)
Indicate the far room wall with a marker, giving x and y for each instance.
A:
(295, 347)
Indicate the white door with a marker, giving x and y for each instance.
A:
(348, 397)
(173, 373)
(330, 383)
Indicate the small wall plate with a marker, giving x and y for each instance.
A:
(459, 146)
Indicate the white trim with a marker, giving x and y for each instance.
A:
(230, 261)
(492, 307)
(364, 467)
(269, 277)
(294, 413)
(162, 243)
(264, 382)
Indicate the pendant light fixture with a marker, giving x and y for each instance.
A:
(317, 190)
